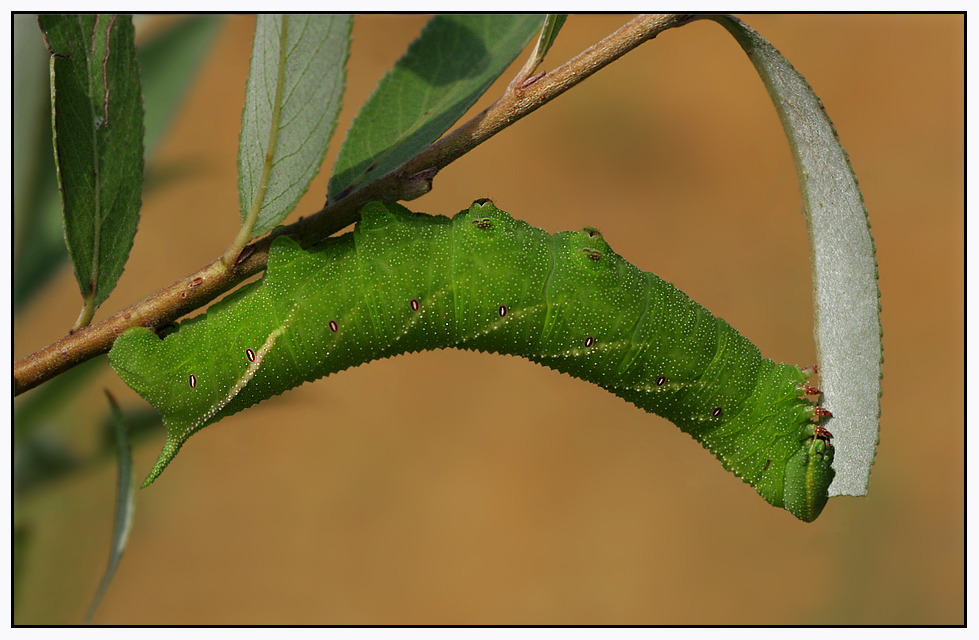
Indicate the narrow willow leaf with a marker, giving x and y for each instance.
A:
(125, 504)
(292, 99)
(548, 34)
(168, 64)
(97, 110)
(451, 64)
(846, 295)
(403, 282)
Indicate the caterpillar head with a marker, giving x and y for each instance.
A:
(808, 475)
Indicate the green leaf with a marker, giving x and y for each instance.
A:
(292, 99)
(125, 505)
(548, 34)
(168, 64)
(451, 64)
(846, 295)
(97, 110)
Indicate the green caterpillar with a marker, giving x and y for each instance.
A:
(404, 282)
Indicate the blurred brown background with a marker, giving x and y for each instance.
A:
(453, 487)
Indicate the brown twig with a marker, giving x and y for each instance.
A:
(409, 181)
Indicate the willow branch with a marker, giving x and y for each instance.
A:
(411, 180)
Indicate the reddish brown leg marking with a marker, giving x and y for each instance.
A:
(821, 433)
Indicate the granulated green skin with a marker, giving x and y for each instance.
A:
(404, 282)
